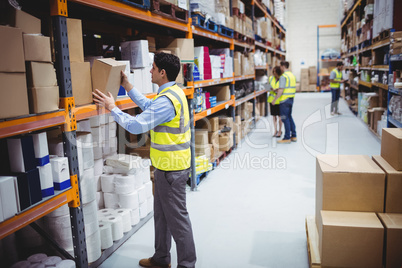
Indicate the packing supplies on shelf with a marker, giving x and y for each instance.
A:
(46, 180)
(81, 82)
(41, 148)
(85, 144)
(75, 41)
(117, 226)
(21, 154)
(61, 174)
(391, 147)
(106, 75)
(136, 52)
(26, 22)
(37, 48)
(87, 186)
(8, 197)
(58, 225)
(216, 67)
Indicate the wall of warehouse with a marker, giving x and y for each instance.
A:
(301, 31)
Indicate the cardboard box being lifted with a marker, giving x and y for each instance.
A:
(11, 50)
(349, 183)
(350, 239)
(106, 75)
(391, 146)
(393, 239)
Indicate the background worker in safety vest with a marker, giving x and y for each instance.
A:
(167, 118)
(275, 81)
(335, 79)
(285, 95)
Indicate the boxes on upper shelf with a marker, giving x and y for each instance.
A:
(391, 147)
(350, 239)
(27, 23)
(37, 48)
(13, 102)
(81, 82)
(43, 99)
(75, 41)
(41, 74)
(222, 93)
(186, 49)
(11, 50)
(136, 52)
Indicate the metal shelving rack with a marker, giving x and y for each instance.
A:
(392, 122)
(69, 114)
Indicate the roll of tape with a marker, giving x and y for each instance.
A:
(94, 246)
(117, 226)
(105, 229)
(51, 261)
(37, 258)
(66, 264)
(126, 218)
(107, 182)
(111, 200)
(135, 216)
(124, 184)
(129, 201)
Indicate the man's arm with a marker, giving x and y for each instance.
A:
(139, 99)
(279, 91)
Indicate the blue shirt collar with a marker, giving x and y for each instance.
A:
(168, 84)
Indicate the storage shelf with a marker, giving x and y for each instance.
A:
(245, 99)
(380, 68)
(108, 252)
(380, 85)
(397, 57)
(260, 92)
(242, 44)
(364, 83)
(261, 67)
(394, 121)
(36, 211)
(380, 44)
(365, 67)
(30, 123)
(331, 60)
(323, 74)
(212, 82)
(220, 106)
(215, 36)
(280, 52)
(261, 45)
(350, 12)
(244, 77)
(264, 9)
(393, 90)
(133, 12)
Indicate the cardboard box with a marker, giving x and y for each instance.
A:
(37, 48)
(350, 239)
(75, 42)
(393, 196)
(136, 52)
(238, 119)
(312, 88)
(226, 121)
(201, 140)
(41, 74)
(11, 50)
(151, 44)
(27, 23)
(393, 239)
(13, 102)
(81, 82)
(222, 93)
(43, 99)
(312, 75)
(106, 75)
(186, 48)
(391, 147)
(349, 183)
(226, 141)
(213, 138)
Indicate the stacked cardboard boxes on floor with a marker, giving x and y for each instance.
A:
(359, 207)
(308, 79)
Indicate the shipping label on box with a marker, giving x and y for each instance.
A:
(11, 50)
(37, 48)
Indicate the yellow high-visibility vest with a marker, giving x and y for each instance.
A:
(274, 85)
(290, 88)
(170, 141)
(338, 77)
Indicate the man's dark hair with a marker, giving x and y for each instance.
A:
(278, 70)
(168, 62)
(285, 64)
(339, 64)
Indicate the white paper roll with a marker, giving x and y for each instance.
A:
(51, 261)
(148, 189)
(98, 167)
(105, 229)
(94, 246)
(117, 226)
(135, 216)
(106, 212)
(90, 212)
(98, 151)
(111, 200)
(61, 211)
(107, 183)
(21, 264)
(99, 200)
(38, 265)
(124, 184)
(59, 227)
(98, 183)
(126, 218)
(142, 194)
(37, 258)
(129, 201)
(66, 264)
(143, 209)
(84, 126)
(146, 171)
(150, 204)
(85, 144)
(88, 188)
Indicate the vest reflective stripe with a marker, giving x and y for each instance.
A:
(338, 77)
(290, 88)
(274, 85)
(170, 141)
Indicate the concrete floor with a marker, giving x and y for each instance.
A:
(250, 211)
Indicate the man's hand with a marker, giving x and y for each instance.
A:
(103, 100)
(125, 83)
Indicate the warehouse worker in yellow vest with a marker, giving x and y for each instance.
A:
(167, 118)
(274, 80)
(285, 96)
(335, 79)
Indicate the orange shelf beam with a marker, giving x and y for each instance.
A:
(213, 110)
(244, 77)
(259, 93)
(242, 44)
(133, 12)
(261, 7)
(18, 126)
(215, 36)
(245, 99)
(212, 82)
